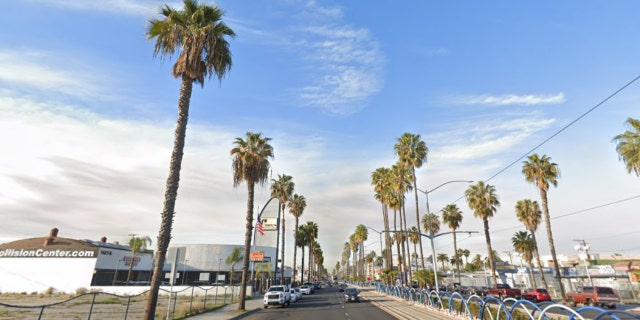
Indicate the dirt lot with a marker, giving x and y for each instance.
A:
(99, 305)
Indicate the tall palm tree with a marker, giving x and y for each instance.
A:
(251, 165)
(628, 146)
(482, 199)
(199, 38)
(529, 214)
(312, 229)
(232, 259)
(466, 253)
(136, 244)
(296, 207)
(523, 244)
(302, 240)
(282, 188)
(541, 172)
(452, 217)
(362, 235)
(401, 183)
(431, 223)
(380, 179)
(412, 152)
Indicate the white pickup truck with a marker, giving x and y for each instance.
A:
(277, 295)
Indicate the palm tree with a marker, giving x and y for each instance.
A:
(523, 243)
(282, 188)
(302, 240)
(263, 269)
(136, 244)
(442, 257)
(414, 237)
(466, 253)
(198, 36)
(431, 223)
(541, 172)
(452, 217)
(380, 179)
(412, 152)
(296, 207)
(362, 234)
(251, 165)
(482, 199)
(312, 232)
(628, 146)
(232, 259)
(529, 214)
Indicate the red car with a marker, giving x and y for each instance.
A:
(536, 295)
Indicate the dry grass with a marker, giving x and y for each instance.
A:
(105, 306)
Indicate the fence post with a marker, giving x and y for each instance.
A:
(126, 312)
(93, 300)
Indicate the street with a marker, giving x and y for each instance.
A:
(325, 304)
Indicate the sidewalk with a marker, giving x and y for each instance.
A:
(230, 311)
(399, 308)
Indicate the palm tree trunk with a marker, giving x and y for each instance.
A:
(552, 247)
(387, 238)
(170, 195)
(415, 193)
(247, 245)
(535, 247)
(302, 266)
(405, 247)
(295, 249)
(395, 215)
(487, 237)
(282, 249)
(455, 252)
(533, 278)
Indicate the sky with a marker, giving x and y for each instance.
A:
(87, 115)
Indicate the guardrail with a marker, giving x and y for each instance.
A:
(492, 308)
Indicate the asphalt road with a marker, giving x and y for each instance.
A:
(323, 304)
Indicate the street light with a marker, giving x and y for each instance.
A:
(433, 250)
(380, 236)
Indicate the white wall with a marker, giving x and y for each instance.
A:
(38, 274)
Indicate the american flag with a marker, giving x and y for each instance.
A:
(259, 227)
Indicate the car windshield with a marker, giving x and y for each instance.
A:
(272, 289)
(351, 291)
(605, 290)
(542, 291)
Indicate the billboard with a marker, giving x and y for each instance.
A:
(269, 224)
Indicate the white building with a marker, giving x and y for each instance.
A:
(37, 264)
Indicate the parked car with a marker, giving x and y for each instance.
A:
(503, 290)
(317, 285)
(277, 295)
(594, 296)
(351, 295)
(305, 289)
(478, 290)
(296, 294)
(536, 294)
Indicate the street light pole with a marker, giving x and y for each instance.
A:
(433, 250)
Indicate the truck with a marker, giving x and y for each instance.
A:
(594, 296)
(503, 290)
(278, 296)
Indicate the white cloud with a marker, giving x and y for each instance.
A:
(510, 99)
(144, 8)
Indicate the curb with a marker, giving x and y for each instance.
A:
(245, 314)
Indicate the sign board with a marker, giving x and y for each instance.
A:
(269, 224)
(257, 256)
(128, 261)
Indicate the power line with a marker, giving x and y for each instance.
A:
(566, 127)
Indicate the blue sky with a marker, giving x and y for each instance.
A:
(88, 115)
